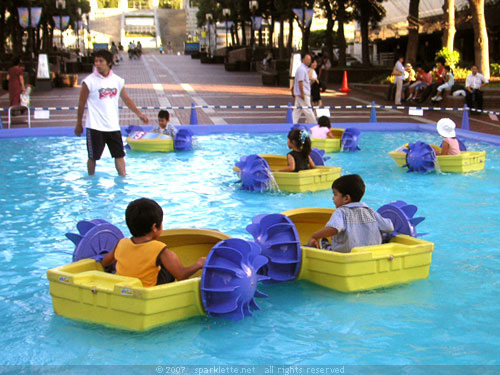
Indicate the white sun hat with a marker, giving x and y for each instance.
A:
(446, 128)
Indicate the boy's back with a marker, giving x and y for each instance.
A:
(358, 225)
(139, 260)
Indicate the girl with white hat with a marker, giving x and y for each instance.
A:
(446, 128)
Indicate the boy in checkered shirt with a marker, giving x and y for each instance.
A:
(353, 223)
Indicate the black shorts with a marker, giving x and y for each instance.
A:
(96, 140)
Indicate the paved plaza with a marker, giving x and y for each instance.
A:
(172, 80)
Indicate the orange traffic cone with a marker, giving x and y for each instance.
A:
(345, 85)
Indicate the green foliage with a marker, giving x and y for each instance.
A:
(460, 74)
(170, 4)
(495, 70)
(107, 3)
(451, 58)
(388, 79)
(318, 37)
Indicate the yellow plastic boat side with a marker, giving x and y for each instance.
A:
(83, 291)
(467, 161)
(329, 144)
(402, 260)
(153, 143)
(319, 178)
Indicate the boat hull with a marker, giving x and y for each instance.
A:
(83, 291)
(403, 260)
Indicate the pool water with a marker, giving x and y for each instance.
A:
(449, 318)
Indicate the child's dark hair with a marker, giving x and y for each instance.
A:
(302, 140)
(106, 55)
(448, 68)
(141, 214)
(324, 121)
(351, 184)
(164, 114)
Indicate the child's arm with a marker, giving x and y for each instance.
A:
(291, 165)
(445, 149)
(323, 233)
(109, 259)
(330, 135)
(311, 163)
(384, 224)
(173, 264)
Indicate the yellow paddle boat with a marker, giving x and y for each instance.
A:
(421, 157)
(282, 238)
(143, 141)
(402, 260)
(329, 144)
(259, 172)
(150, 142)
(83, 291)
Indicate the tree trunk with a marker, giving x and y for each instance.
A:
(449, 24)
(243, 34)
(290, 36)
(2, 33)
(306, 32)
(234, 34)
(341, 34)
(365, 52)
(271, 32)
(281, 39)
(481, 52)
(329, 31)
(413, 24)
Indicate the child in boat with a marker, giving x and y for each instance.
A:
(446, 128)
(353, 223)
(322, 130)
(142, 255)
(300, 157)
(164, 126)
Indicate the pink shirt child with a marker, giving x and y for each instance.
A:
(319, 132)
(454, 146)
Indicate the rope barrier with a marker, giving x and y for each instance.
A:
(334, 107)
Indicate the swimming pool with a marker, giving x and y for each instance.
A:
(450, 318)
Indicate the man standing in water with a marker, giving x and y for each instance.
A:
(101, 91)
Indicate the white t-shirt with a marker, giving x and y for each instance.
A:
(475, 81)
(400, 68)
(320, 132)
(104, 95)
(302, 74)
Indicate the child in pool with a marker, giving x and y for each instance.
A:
(353, 223)
(300, 157)
(446, 128)
(142, 255)
(164, 127)
(322, 130)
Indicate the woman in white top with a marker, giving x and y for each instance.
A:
(315, 87)
(447, 85)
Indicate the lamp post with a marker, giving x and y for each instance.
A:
(61, 5)
(226, 13)
(209, 17)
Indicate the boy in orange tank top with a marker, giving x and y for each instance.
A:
(142, 255)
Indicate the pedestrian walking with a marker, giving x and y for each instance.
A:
(101, 91)
(302, 92)
(16, 82)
